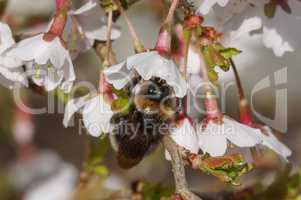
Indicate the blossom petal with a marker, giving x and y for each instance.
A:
(194, 62)
(6, 37)
(72, 107)
(86, 7)
(118, 75)
(208, 4)
(90, 19)
(151, 64)
(49, 78)
(10, 61)
(30, 48)
(212, 141)
(273, 143)
(100, 33)
(38, 50)
(14, 75)
(97, 115)
(248, 25)
(239, 134)
(272, 39)
(185, 136)
(69, 75)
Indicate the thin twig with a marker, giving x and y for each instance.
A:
(138, 44)
(171, 12)
(185, 65)
(107, 59)
(237, 80)
(178, 170)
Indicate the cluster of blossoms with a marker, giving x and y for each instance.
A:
(151, 85)
(47, 56)
(273, 24)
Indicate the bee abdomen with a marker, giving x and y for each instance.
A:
(132, 150)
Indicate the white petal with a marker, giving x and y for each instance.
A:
(208, 4)
(248, 25)
(30, 48)
(69, 75)
(274, 144)
(118, 75)
(10, 61)
(91, 21)
(239, 134)
(194, 62)
(96, 116)
(14, 75)
(86, 7)
(100, 33)
(72, 107)
(41, 51)
(151, 64)
(212, 140)
(6, 37)
(50, 78)
(272, 39)
(186, 137)
(58, 54)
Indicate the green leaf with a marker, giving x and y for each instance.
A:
(213, 75)
(227, 168)
(101, 170)
(121, 105)
(229, 52)
(108, 5)
(156, 191)
(120, 93)
(98, 150)
(187, 34)
(199, 30)
(207, 52)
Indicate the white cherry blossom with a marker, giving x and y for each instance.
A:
(48, 62)
(215, 138)
(90, 22)
(239, 17)
(10, 66)
(147, 65)
(59, 186)
(184, 134)
(96, 114)
(269, 140)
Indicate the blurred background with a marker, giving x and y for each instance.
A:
(40, 159)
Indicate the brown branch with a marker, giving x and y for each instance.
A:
(178, 169)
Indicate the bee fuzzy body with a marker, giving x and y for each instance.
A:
(142, 128)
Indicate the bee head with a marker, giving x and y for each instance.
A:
(155, 96)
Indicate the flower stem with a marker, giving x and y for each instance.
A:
(60, 18)
(163, 44)
(107, 60)
(137, 43)
(183, 67)
(187, 41)
(178, 170)
(237, 80)
(210, 102)
(171, 12)
(244, 108)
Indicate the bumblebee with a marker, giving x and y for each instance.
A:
(154, 107)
